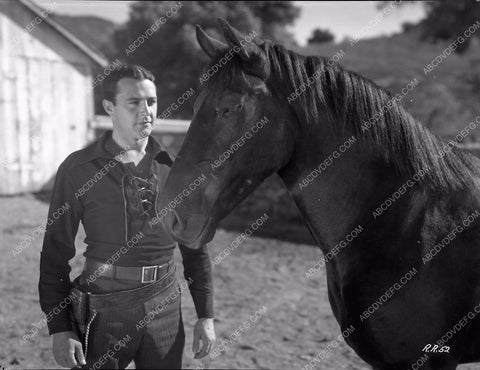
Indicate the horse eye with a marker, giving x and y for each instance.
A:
(226, 111)
(222, 112)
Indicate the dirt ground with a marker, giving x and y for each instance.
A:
(284, 320)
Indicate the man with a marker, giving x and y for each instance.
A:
(112, 186)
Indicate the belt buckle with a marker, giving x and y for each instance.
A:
(149, 274)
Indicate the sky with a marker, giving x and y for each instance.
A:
(342, 18)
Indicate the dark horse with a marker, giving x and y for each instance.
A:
(415, 198)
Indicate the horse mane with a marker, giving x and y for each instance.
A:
(349, 100)
(339, 102)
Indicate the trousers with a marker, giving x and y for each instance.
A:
(150, 333)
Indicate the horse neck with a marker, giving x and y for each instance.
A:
(336, 195)
(345, 190)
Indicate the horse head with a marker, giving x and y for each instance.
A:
(240, 134)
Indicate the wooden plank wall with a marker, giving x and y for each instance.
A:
(46, 101)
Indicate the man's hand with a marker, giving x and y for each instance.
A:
(65, 345)
(204, 331)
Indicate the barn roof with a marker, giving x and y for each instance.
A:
(96, 57)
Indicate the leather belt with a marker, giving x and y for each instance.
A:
(144, 274)
(131, 297)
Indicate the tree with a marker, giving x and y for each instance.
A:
(171, 52)
(407, 26)
(447, 20)
(319, 36)
(275, 16)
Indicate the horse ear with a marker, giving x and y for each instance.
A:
(233, 37)
(253, 57)
(212, 47)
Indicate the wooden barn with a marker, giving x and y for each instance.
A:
(46, 95)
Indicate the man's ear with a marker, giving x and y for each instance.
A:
(108, 106)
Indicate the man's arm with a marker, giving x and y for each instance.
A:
(198, 272)
(58, 248)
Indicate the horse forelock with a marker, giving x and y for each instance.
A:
(230, 76)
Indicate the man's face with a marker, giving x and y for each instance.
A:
(135, 108)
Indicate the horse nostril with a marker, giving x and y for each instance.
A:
(174, 221)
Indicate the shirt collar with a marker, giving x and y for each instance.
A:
(106, 147)
(113, 149)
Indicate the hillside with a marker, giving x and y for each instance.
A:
(96, 32)
(445, 100)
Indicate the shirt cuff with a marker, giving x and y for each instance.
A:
(203, 304)
(58, 322)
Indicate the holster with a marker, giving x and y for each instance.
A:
(80, 310)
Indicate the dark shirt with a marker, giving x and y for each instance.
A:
(103, 193)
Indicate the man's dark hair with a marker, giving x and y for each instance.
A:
(109, 85)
